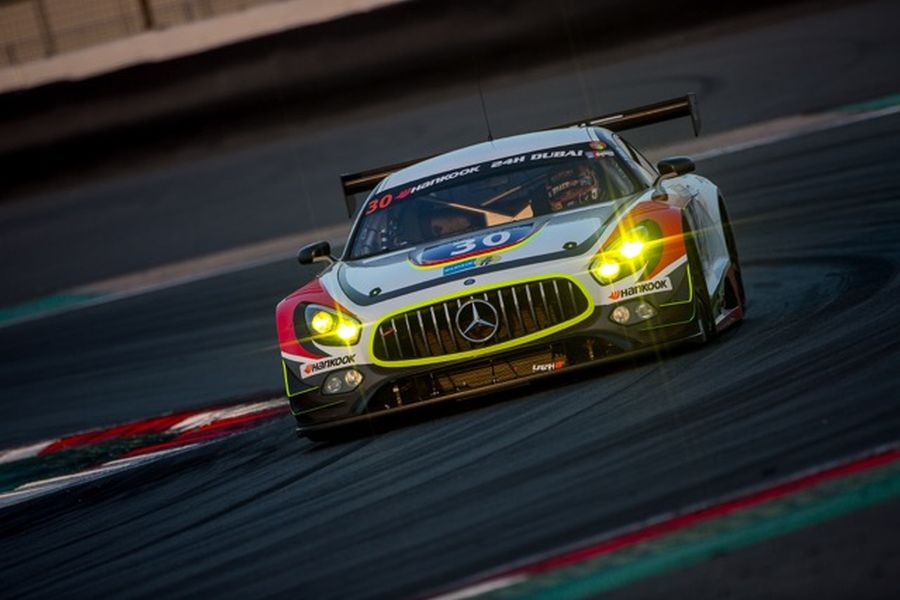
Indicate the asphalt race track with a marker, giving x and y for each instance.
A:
(810, 377)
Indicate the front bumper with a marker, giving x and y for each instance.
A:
(391, 390)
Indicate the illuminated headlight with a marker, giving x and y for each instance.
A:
(631, 249)
(322, 322)
(342, 382)
(629, 253)
(330, 327)
(348, 332)
(608, 270)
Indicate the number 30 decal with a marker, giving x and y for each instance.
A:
(378, 203)
(475, 245)
(491, 240)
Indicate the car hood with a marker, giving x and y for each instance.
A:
(367, 281)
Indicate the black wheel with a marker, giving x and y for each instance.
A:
(732, 252)
(706, 324)
(321, 436)
(331, 435)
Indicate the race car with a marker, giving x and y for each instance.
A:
(510, 260)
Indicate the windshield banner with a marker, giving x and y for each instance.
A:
(385, 199)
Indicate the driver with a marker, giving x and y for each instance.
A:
(447, 222)
(572, 185)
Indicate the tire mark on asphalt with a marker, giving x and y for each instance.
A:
(166, 470)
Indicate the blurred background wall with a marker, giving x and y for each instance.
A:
(235, 144)
(34, 29)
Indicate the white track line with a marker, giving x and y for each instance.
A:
(482, 588)
(840, 120)
(36, 489)
(207, 418)
(8, 456)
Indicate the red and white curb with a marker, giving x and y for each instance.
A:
(43, 487)
(170, 434)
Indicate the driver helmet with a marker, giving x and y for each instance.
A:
(572, 185)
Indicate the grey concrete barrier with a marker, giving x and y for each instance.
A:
(297, 75)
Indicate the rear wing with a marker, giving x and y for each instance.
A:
(649, 114)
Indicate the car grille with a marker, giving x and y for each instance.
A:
(519, 310)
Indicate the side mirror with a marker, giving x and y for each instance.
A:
(675, 166)
(669, 168)
(315, 252)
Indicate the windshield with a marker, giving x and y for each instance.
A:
(488, 194)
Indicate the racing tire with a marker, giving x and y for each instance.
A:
(332, 435)
(314, 436)
(321, 437)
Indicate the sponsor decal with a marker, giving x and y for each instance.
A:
(547, 367)
(572, 183)
(472, 263)
(557, 154)
(508, 162)
(663, 284)
(458, 250)
(570, 152)
(442, 178)
(327, 364)
(599, 150)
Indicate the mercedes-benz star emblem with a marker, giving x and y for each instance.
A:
(477, 320)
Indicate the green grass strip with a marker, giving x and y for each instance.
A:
(874, 104)
(45, 304)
